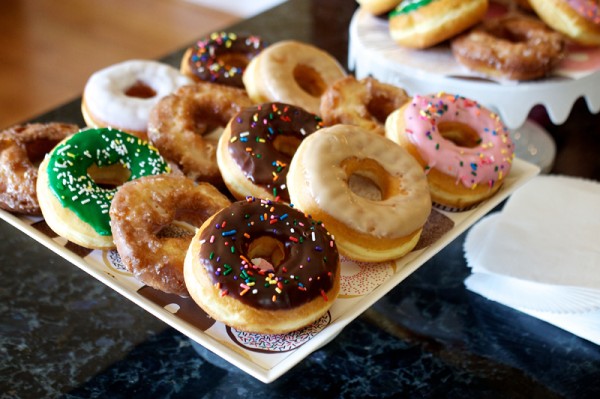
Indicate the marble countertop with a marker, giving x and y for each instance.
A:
(64, 334)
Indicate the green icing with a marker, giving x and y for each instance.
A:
(76, 190)
(407, 6)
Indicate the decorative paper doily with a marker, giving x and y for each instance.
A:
(373, 52)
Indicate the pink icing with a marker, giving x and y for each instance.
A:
(486, 163)
(588, 9)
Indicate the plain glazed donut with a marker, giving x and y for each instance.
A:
(122, 95)
(510, 47)
(221, 58)
(425, 23)
(263, 267)
(370, 193)
(257, 147)
(78, 180)
(22, 148)
(293, 73)
(465, 148)
(139, 212)
(366, 103)
(579, 20)
(186, 125)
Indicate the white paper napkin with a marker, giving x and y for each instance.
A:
(541, 254)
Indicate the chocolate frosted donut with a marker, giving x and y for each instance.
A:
(257, 146)
(221, 58)
(258, 260)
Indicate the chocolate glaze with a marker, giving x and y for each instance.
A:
(255, 153)
(308, 269)
(223, 57)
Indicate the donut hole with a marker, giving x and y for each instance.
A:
(110, 176)
(206, 121)
(286, 144)
(233, 59)
(460, 134)
(140, 90)
(368, 179)
(379, 108)
(176, 229)
(37, 149)
(309, 80)
(268, 249)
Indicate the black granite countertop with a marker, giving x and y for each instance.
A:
(64, 334)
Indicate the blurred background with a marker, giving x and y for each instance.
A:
(50, 48)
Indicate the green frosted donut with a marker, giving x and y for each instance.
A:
(70, 181)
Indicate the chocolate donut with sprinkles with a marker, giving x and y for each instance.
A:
(78, 180)
(257, 146)
(221, 58)
(263, 267)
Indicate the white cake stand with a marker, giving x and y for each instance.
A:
(372, 52)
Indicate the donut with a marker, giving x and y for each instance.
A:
(513, 47)
(366, 102)
(378, 7)
(370, 193)
(291, 72)
(464, 148)
(122, 95)
(185, 126)
(22, 148)
(142, 209)
(263, 267)
(579, 20)
(258, 145)
(78, 180)
(220, 58)
(424, 23)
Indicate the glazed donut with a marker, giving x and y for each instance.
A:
(186, 125)
(220, 58)
(512, 47)
(22, 148)
(263, 267)
(378, 7)
(366, 103)
(122, 95)
(425, 23)
(371, 194)
(293, 73)
(464, 148)
(139, 212)
(257, 146)
(78, 180)
(579, 20)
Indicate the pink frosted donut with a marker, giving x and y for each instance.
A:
(464, 148)
(579, 20)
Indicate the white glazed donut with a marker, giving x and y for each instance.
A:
(291, 72)
(370, 193)
(122, 95)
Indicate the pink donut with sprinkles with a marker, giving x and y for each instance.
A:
(221, 58)
(263, 267)
(464, 148)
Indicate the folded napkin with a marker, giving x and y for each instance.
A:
(541, 254)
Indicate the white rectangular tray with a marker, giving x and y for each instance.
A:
(267, 357)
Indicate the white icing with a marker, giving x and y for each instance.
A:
(105, 97)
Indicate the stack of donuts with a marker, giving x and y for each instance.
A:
(513, 40)
(240, 178)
